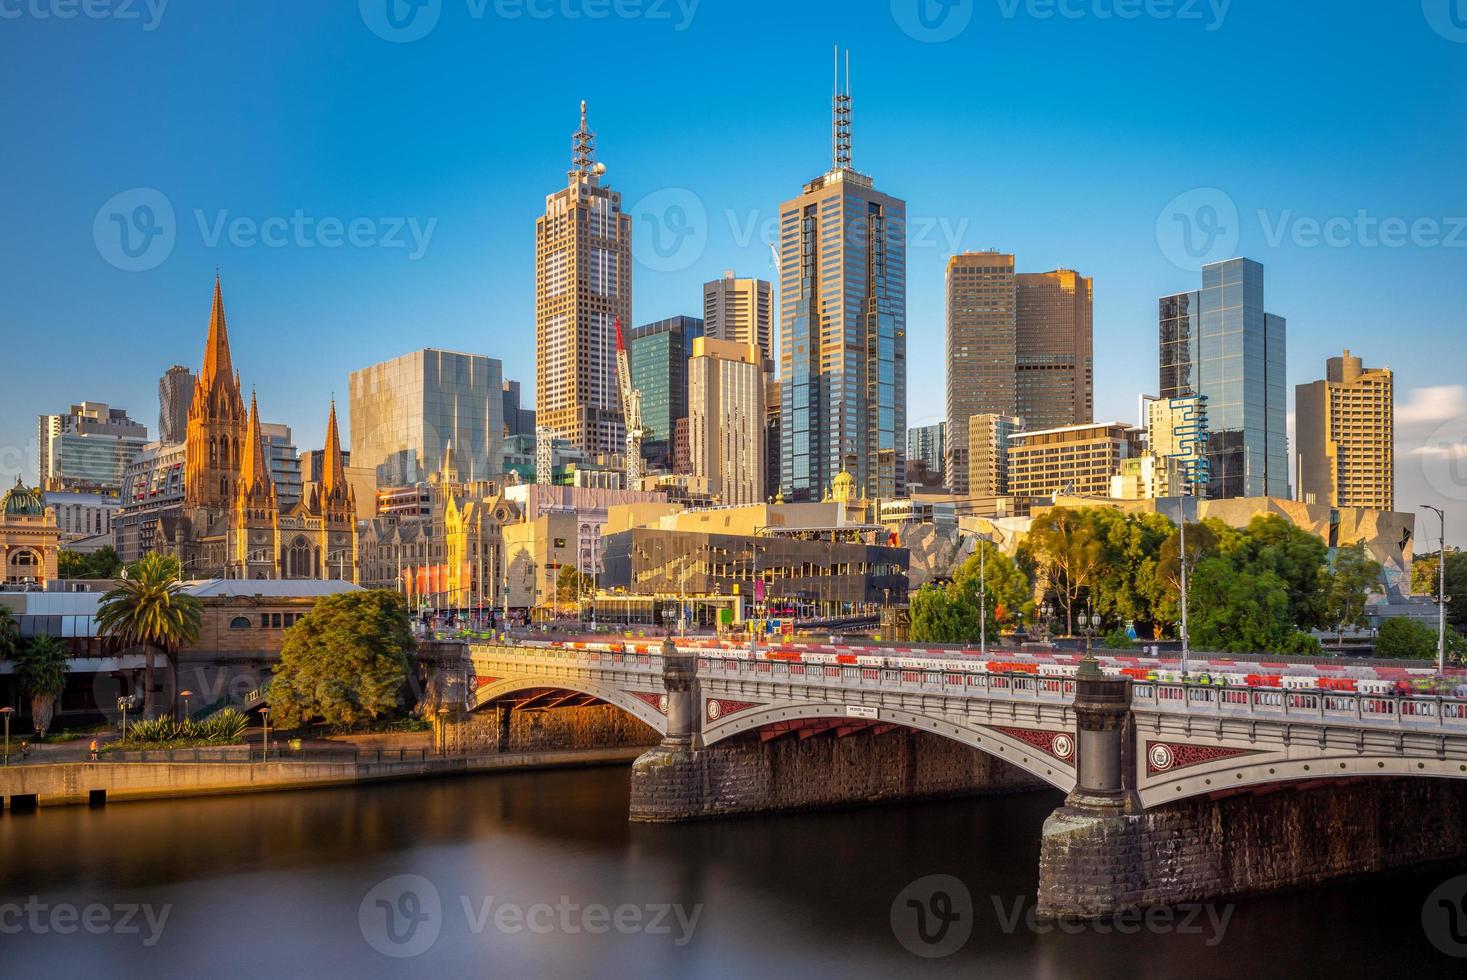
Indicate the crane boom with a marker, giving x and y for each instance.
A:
(631, 410)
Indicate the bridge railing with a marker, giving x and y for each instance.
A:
(1360, 707)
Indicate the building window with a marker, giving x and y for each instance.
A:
(239, 623)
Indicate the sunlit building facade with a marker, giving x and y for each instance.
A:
(1346, 431)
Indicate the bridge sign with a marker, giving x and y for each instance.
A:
(860, 711)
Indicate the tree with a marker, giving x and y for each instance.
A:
(1130, 591)
(1426, 580)
(1237, 610)
(953, 613)
(1354, 575)
(9, 632)
(1069, 554)
(938, 618)
(40, 669)
(1202, 543)
(1402, 638)
(150, 608)
(345, 662)
(570, 584)
(102, 563)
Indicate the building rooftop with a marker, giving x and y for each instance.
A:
(277, 588)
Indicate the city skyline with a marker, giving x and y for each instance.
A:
(281, 292)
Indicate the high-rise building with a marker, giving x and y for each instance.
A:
(583, 285)
(518, 420)
(1344, 427)
(283, 461)
(1219, 342)
(87, 448)
(982, 350)
(409, 412)
(726, 419)
(926, 445)
(1054, 370)
(739, 310)
(1076, 460)
(772, 424)
(175, 395)
(988, 453)
(658, 354)
(1177, 429)
(843, 330)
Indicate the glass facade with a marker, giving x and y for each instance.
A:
(1220, 343)
(405, 414)
(659, 354)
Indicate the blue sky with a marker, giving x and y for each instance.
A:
(1073, 132)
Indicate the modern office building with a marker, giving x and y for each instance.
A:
(988, 453)
(1177, 431)
(175, 395)
(1076, 460)
(407, 413)
(1344, 427)
(739, 310)
(84, 519)
(726, 419)
(283, 461)
(658, 353)
(518, 420)
(1054, 381)
(1219, 342)
(843, 330)
(87, 448)
(153, 491)
(982, 350)
(926, 445)
(583, 285)
(772, 422)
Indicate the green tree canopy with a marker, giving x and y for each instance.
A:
(345, 662)
(150, 608)
(1352, 577)
(1425, 580)
(952, 613)
(102, 563)
(9, 632)
(570, 584)
(1130, 590)
(1069, 552)
(40, 669)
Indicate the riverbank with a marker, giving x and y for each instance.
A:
(34, 785)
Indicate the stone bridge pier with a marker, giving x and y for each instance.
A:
(808, 763)
(1103, 854)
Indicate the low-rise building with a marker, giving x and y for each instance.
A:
(29, 539)
(1075, 459)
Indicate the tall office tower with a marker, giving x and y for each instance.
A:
(283, 461)
(1054, 382)
(926, 445)
(407, 413)
(1344, 427)
(726, 419)
(739, 310)
(982, 350)
(988, 453)
(1219, 342)
(658, 353)
(772, 416)
(1177, 431)
(175, 395)
(843, 330)
(583, 283)
(518, 420)
(87, 448)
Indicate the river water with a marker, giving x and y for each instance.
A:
(540, 874)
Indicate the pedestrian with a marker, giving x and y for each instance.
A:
(94, 750)
(25, 750)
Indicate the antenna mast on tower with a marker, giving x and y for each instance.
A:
(841, 116)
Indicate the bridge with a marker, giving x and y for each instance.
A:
(1173, 776)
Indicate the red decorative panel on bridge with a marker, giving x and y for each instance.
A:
(657, 700)
(1168, 756)
(717, 708)
(484, 681)
(1061, 745)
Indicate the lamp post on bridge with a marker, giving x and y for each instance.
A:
(1442, 598)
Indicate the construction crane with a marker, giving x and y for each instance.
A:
(631, 410)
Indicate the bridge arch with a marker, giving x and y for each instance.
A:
(1277, 770)
(634, 706)
(990, 741)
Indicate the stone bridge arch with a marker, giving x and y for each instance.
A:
(642, 709)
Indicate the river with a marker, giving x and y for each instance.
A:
(540, 874)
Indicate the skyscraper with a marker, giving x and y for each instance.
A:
(87, 448)
(407, 413)
(175, 395)
(1345, 432)
(988, 453)
(726, 419)
(658, 353)
(982, 350)
(1219, 342)
(739, 310)
(583, 284)
(843, 329)
(926, 445)
(1054, 371)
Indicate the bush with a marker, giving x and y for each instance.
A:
(1302, 645)
(1405, 639)
(225, 728)
(1117, 640)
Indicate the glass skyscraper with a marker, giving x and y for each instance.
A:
(659, 354)
(843, 331)
(1219, 342)
(406, 412)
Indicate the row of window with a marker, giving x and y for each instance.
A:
(268, 621)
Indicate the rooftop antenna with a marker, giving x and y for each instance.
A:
(841, 116)
(583, 157)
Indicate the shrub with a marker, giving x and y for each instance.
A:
(1117, 640)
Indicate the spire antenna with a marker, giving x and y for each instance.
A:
(841, 117)
(583, 155)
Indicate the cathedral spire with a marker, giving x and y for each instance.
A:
(333, 473)
(254, 474)
(217, 362)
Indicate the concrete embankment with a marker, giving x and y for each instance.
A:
(27, 786)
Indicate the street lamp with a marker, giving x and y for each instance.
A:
(131, 701)
(443, 730)
(265, 720)
(185, 695)
(7, 712)
(1089, 621)
(1442, 597)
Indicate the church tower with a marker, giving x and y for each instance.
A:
(216, 423)
(338, 508)
(254, 527)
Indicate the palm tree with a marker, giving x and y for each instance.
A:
(9, 630)
(41, 670)
(151, 609)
